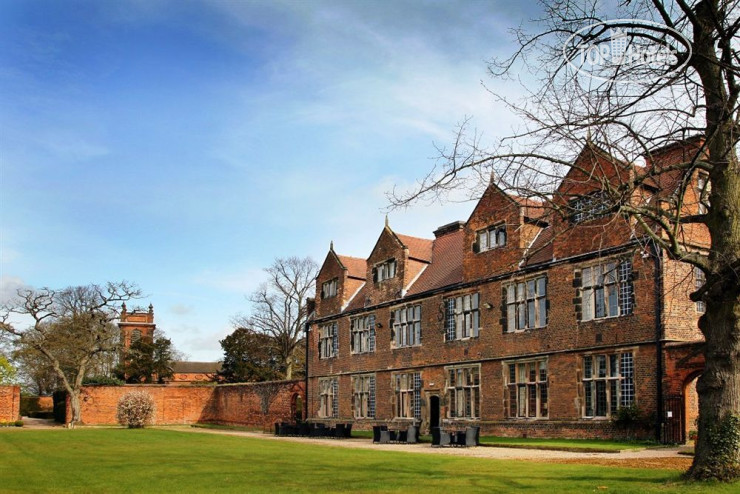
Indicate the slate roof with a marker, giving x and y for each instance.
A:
(446, 266)
(541, 248)
(184, 367)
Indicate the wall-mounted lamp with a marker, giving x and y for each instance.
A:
(488, 305)
(379, 325)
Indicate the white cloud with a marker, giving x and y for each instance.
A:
(181, 309)
(9, 286)
(234, 279)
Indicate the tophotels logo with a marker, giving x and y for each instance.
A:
(627, 51)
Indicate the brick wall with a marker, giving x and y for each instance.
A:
(240, 404)
(10, 403)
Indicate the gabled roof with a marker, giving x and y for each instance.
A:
(356, 267)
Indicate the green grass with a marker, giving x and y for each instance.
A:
(585, 445)
(592, 445)
(152, 460)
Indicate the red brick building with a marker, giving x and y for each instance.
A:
(138, 324)
(521, 320)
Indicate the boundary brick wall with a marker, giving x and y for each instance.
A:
(10, 403)
(235, 404)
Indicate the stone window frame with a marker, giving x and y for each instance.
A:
(699, 280)
(328, 397)
(527, 379)
(608, 387)
(328, 340)
(363, 396)
(401, 326)
(524, 304)
(461, 393)
(362, 334)
(329, 288)
(407, 399)
(612, 286)
(589, 206)
(484, 236)
(462, 316)
(385, 270)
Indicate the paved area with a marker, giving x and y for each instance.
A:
(640, 458)
(29, 423)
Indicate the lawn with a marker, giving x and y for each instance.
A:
(152, 460)
(564, 444)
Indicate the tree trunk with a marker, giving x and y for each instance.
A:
(717, 454)
(74, 405)
(289, 369)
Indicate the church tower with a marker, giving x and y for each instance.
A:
(136, 325)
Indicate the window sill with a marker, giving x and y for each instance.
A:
(527, 330)
(405, 347)
(362, 353)
(604, 319)
(462, 340)
(527, 419)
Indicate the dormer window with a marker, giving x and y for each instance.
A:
(589, 207)
(490, 238)
(385, 270)
(329, 289)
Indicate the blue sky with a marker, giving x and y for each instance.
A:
(184, 145)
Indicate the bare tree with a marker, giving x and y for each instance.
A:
(279, 307)
(606, 121)
(71, 328)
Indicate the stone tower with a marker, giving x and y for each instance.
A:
(136, 325)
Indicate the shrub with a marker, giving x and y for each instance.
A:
(12, 423)
(136, 409)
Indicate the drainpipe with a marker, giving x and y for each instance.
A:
(305, 389)
(658, 273)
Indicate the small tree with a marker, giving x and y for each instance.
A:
(70, 328)
(249, 356)
(279, 307)
(148, 360)
(7, 372)
(136, 409)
